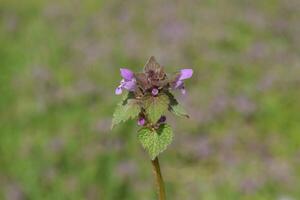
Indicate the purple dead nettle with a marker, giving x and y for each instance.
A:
(128, 82)
(148, 99)
(134, 82)
(184, 74)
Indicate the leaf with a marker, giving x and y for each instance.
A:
(156, 141)
(152, 65)
(156, 106)
(128, 108)
(176, 108)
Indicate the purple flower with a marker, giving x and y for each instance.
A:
(127, 74)
(141, 121)
(128, 82)
(184, 74)
(154, 91)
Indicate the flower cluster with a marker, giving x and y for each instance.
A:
(148, 97)
(153, 78)
(152, 82)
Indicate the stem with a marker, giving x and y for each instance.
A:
(159, 179)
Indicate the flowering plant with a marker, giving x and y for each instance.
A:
(148, 97)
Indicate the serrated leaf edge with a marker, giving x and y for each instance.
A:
(122, 120)
(165, 109)
(171, 106)
(166, 146)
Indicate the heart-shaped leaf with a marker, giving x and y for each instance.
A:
(156, 106)
(175, 107)
(155, 141)
(128, 108)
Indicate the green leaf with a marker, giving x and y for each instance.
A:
(156, 106)
(128, 108)
(156, 141)
(176, 108)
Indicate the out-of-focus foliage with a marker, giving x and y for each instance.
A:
(59, 67)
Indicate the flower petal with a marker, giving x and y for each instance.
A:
(179, 84)
(181, 87)
(130, 85)
(185, 74)
(126, 74)
(118, 91)
(183, 91)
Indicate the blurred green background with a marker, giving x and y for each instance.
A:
(59, 66)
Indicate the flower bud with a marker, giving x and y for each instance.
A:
(155, 91)
(141, 122)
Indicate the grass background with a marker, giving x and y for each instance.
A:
(59, 66)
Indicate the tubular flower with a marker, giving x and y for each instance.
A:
(128, 82)
(184, 74)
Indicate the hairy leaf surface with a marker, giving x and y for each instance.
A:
(156, 141)
(156, 106)
(128, 108)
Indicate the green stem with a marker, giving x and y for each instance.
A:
(159, 179)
